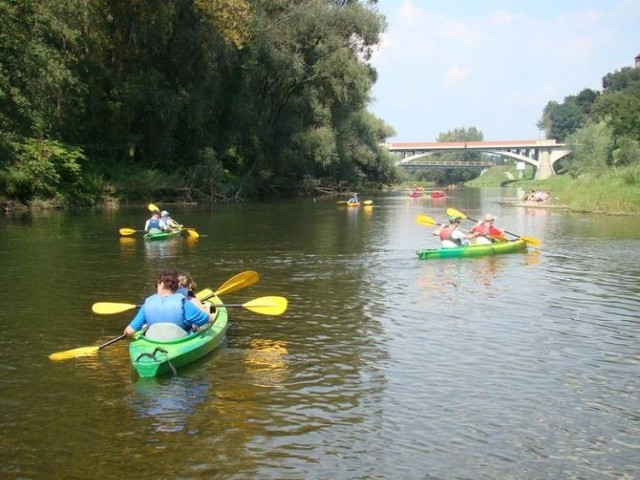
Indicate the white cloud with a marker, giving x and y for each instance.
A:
(453, 63)
(455, 76)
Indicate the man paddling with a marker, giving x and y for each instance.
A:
(485, 229)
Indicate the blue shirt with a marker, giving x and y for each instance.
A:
(184, 313)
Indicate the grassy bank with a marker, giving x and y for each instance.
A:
(616, 191)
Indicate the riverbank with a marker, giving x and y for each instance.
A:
(614, 192)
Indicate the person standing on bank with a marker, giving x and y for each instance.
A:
(485, 229)
(167, 306)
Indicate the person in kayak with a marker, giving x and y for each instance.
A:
(187, 288)
(353, 199)
(168, 222)
(485, 229)
(167, 306)
(451, 236)
(154, 223)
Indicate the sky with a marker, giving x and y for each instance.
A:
(494, 64)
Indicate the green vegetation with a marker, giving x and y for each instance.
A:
(615, 191)
(603, 129)
(214, 100)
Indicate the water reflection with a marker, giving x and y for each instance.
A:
(169, 248)
(265, 362)
(127, 246)
(168, 402)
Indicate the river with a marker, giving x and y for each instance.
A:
(384, 366)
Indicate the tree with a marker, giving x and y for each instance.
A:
(559, 120)
(592, 149)
(620, 80)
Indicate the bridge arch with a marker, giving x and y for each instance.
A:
(541, 154)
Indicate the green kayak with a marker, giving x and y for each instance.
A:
(473, 250)
(155, 234)
(152, 356)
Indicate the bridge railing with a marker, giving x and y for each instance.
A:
(447, 163)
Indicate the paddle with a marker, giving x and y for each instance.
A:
(128, 231)
(190, 230)
(237, 282)
(264, 305)
(426, 221)
(78, 352)
(366, 202)
(241, 280)
(269, 305)
(530, 240)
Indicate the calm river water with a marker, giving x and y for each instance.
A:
(384, 366)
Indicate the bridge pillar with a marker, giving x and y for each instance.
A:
(544, 170)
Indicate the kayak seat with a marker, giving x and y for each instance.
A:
(165, 331)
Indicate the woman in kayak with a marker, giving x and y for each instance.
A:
(187, 288)
(167, 306)
(485, 229)
(451, 236)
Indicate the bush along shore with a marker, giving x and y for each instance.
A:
(613, 192)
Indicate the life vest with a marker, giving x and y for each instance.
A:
(183, 291)
(445, 234)
(165, 309)
(481, 229)
(154, 223)
(484, 230)
(186, 292)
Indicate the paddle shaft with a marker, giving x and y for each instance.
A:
(113, 340)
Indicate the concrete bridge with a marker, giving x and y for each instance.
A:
(542, 154)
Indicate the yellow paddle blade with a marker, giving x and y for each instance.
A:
(267, 305)
(341, 202)
(192, 232)
(368, 202)
(426, 221)
(153, 208)
(241, 280)
(76, 352)
(206, 293)
(127, 231)
(108, 308)
(452, 212)
(531, 241)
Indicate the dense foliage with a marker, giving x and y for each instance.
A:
(603, 128)
(199, 98)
